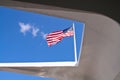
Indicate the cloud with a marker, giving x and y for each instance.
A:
(24, 27)
(32, 29)
(35, 31)
(43, 35)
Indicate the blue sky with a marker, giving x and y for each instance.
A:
(23, 34)
(17, 76)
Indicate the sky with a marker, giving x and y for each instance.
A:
(23, 39)
(17, 76)
(23, 35)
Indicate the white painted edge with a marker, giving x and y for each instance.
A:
(38, 64)
(81, 45)
(75, 51)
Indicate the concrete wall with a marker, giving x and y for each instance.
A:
(100, 59)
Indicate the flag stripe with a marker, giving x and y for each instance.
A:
(56, 32)
(57, 36)
(69, 33)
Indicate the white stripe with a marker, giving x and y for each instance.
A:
(57, 37)
(50, 36)
(52, 41)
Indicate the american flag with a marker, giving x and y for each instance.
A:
(55, 37)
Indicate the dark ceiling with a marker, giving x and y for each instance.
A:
(109, 8)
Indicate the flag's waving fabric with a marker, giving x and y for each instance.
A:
(55, 37)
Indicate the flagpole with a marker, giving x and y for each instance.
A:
(75, 52)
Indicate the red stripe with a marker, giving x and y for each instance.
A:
(69, 33)
(57, 36)
(56, 32)
(51, 35)
(54, 37)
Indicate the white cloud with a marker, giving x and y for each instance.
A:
(35, 31)
(32, 29)
(24, 27)
(43, 35)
